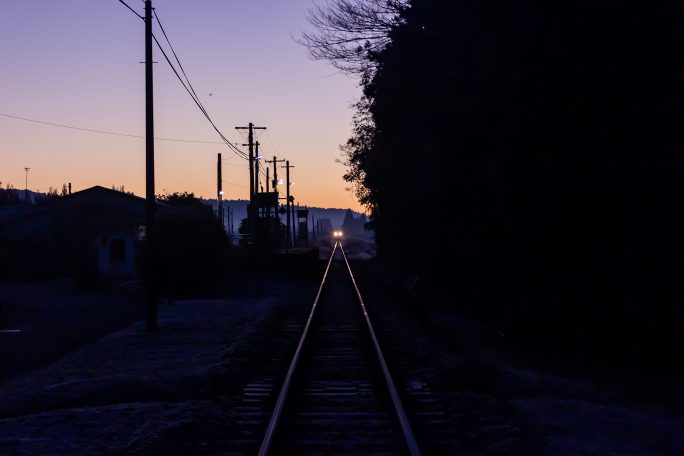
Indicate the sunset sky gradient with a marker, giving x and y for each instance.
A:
(77, 62)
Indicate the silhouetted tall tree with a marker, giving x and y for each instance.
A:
(348, 31)
(535, 144)
(191, 252)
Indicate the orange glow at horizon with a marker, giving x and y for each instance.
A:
(78, 64)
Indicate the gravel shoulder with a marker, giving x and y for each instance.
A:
(134, 392)
(489, 390)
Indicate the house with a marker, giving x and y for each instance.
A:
(95, 232)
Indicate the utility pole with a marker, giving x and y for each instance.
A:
(275, 162)
(151, 320)
(69, 188)
(257, 157)
(313, 226)
(287, 177)
(294, 223)
(26, 197)
(250, 141)
(268, 189)
(219, 190)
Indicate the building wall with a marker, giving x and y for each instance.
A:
(68, 233)
(116, 253)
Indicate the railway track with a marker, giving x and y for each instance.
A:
(338, 396)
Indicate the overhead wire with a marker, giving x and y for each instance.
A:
(189, 88)
(191, 91)
(187, 85)
(270, 139)
(132, 10)
(199, 105)
(103, 132)
(180, 65)
(237, 185)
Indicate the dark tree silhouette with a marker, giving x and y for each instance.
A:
(348, 31)
(356, 151)
(529, 152)
(548, 133)
(9, 195)
(182, 199)
(191, 252)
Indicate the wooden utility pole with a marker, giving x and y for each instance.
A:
(257, 157)
(219, 190)
(295, 220)
(250, 143)
(275, 162)
(151, 320)
(313, 226)
(268, 189)
(289, 200)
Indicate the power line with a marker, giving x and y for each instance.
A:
(270, 139)
(198, 103)
(180, 65)
(237, 185)
(191, 91)
(71, 127)
(134, 12)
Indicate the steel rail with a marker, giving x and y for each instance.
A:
(410, 439)
(280, 403)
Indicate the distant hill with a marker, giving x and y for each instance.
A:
(239, 208)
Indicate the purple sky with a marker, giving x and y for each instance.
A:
(76, 62)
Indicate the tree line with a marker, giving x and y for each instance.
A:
(522, 162)
(529, 145)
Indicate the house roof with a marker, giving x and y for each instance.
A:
(26, 210)
(105, 190)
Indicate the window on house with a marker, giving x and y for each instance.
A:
(117, 250)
